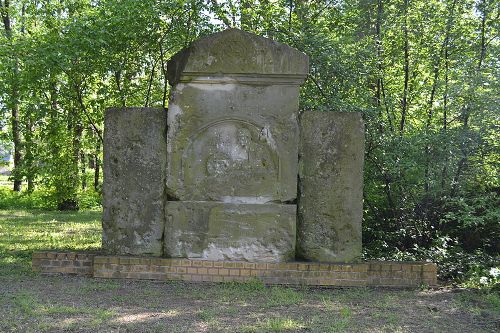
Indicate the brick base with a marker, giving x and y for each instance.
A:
(63, 262)
(393, 274)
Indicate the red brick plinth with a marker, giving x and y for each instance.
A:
(63, 262)
(386, 274)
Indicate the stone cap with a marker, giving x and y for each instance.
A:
(240, 55)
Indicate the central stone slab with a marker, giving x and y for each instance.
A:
(230, 231)
(232, 148)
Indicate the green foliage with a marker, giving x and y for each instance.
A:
(424, 74)
(473, 221)
(479, 276)
(89, 199)
(40, 199)
(45, 199)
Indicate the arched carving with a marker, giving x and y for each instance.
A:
(231, 158)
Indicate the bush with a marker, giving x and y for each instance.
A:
(44, 199)
(456, 265)
(89, 199)
(473, 221)
(480, 276)
(39, 199)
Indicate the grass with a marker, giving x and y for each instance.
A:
(35, 303)
(25, 231)
(282, 324)
(283, 297)
(275, 324)
(27, 306)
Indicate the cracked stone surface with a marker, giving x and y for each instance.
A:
(330, 205)
(134, 181)
(232, 148)
(232, 119)
(230, 231)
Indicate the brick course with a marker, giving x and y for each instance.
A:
(385, 274)
(63, 262)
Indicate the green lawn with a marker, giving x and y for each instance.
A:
(22, 232)
(31, 302)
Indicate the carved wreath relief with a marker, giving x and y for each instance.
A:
(232, 158)
(233, 46)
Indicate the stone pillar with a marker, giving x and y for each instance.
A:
(331, 186)
(232, 148)
(134, 170)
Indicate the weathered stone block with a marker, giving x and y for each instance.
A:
(230, 231)
(134, 181)
(235, 51)
(330, 204)
(232, 119)
(232, 148)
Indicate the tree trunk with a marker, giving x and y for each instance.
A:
(97, 166)
(14, 100)
(380, 92)
(150, 83)
(60, 186)
(462, 163)
(16, 138)
(406, 47)
(290, 10)
(378, 42)
(164, 75)
(118, 76)
(444, 171)
(29, 159)
(83, 169)
(443, 52)
(70, 202)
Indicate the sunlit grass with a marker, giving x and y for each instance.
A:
(28, 305)
(283, 324)
(279, 296)
(22, 232)
(275, 324)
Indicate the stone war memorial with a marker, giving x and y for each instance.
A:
(231, 183)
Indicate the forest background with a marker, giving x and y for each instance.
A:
(425, 75)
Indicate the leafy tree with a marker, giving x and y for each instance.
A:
(423, 73)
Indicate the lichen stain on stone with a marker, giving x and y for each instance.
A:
(247, 250)
(215, 177)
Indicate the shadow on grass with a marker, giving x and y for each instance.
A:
(43, 216)
(24, 231)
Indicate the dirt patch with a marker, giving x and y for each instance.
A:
(77, 304)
